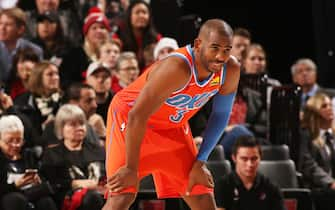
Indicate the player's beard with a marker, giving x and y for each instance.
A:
(204, 63)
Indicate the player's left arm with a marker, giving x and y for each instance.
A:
(222, 105)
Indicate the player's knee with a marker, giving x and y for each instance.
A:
(119, 202)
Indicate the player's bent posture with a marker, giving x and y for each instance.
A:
(147, 129)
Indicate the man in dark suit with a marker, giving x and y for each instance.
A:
(304, 74)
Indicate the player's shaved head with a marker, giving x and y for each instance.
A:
(217, 26)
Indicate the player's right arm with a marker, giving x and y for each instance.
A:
(168, 76)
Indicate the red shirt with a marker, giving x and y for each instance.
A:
(16, 88)
(239, 111)
(115, 86)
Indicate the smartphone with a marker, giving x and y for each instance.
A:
(2, 88)
(30, 171)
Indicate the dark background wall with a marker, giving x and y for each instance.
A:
(324, 25)
(286, 31)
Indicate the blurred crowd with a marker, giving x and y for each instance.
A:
(61, 62)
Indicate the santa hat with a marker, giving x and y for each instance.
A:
(95, 15)
(163, 43)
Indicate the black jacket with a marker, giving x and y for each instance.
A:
(313, 175)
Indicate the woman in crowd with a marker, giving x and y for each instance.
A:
(15, 177)
(318, 121)
(75, 166)
(24, 62)
(50, 37)
(138, 32)
(96, 31)
(254, 62)
(42, 101)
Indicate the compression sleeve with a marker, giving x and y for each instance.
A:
(218, 120)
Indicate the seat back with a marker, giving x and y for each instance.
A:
(219, 169)
(284, 118)
(217, 154)
(275, 152)
(298, 199)
(257, 82)
(280, 172)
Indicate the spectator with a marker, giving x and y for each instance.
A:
(6, 4)
(49, 36)
(113, 10)
(241, 41)
(75, 166)
(42, 101)
(109, 52)
(14, 181)
(244, 188)
(254, 59)
(318, 120)
(84, 96)
(69, 21)
(148, 55)
(12, 25)
(254, 62)
(7, 108)
(95, 31)
(139, 31)
(164, 46)
(99, 77)
(23, 64)
(127, 70)
(304, 74)
(315, 160)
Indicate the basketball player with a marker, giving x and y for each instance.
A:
(147, 129)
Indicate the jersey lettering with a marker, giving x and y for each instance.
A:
(184, 103)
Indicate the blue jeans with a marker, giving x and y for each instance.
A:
(229, 137)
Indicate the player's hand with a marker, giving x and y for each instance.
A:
(199, 175)
(123, 178)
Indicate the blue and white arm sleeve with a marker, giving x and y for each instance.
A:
(217, 122)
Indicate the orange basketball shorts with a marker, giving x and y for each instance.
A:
(167, 154)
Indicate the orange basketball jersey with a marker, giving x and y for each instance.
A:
(183, 103)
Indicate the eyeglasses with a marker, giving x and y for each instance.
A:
(14, 142)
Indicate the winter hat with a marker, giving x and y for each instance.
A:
(95, 15)
(95, 66)
(163, 43)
